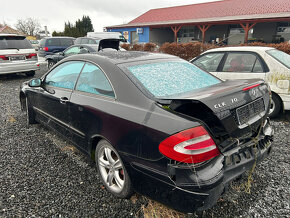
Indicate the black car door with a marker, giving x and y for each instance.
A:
(92, 98)
(52, 104)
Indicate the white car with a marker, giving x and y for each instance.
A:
(248, 62)
(17, 55)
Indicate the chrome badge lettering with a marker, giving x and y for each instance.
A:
(223, 104)
(219, 105)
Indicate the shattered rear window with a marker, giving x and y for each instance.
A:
(171, 78)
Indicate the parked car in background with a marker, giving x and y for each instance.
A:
(246, 62)
(102, 43)
(107, 35)
(72, 50)
(86, 41)
(155, 123)
(17, 55)
(35, 44)
(51, 45)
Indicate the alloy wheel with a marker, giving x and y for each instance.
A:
(111, 169)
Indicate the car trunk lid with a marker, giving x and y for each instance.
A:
(233, 109)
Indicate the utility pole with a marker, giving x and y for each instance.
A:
(45, 29)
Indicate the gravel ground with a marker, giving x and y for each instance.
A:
(42, 175)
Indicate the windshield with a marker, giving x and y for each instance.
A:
(171, 78)
(280, 56)
(14, 42)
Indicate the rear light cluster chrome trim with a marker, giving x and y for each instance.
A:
(193, 145)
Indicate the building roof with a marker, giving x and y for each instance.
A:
(225, 10)
(8, 30)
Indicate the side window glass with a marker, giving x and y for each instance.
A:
(93, 80)
(78, 41)
(83, 51)
(85, 41)
(209, 62)
(258, 67)
(66, 42)
(53, 42)
(73, 50)
(64, 75)
(242, 62)
(91, 41)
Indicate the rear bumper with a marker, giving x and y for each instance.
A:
(44, 53)
(19, 67)
(188, 188)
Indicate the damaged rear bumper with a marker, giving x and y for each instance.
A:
(188, 188)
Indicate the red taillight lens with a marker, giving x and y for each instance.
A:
(45, 49)
(250, 87)
(190, 146)
(4, 58)
(31, 55)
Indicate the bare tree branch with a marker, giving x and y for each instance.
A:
(29, 26)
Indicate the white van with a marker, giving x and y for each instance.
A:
(106, 35)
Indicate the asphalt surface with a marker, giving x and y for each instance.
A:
(42, 175)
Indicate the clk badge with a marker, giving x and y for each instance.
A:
(219, 105)
(253, 92)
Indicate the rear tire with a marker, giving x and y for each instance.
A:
(30, 73)
(112, 171)
(275, 107)
(50, 64)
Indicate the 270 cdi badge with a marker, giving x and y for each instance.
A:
(155, 123)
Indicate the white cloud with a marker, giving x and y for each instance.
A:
(55, 13)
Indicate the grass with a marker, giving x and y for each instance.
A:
(155, 210)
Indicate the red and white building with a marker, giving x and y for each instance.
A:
(232, 21)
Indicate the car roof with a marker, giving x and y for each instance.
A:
(119, 57)
(58, 37)
(241, 48)
(92, 46)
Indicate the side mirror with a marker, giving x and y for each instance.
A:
(35, 83)
(61, 53)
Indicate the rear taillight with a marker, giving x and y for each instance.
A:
(31, 55)
(190, 146)
(45, 48)
(4, 58)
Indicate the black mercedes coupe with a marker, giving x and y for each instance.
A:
(155, 123)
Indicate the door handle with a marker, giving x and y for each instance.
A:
(63, 100)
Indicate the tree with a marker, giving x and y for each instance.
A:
(54, 33)
(84, 26)
(29, 26)
(80, 28)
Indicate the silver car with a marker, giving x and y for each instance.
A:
(17, 55)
